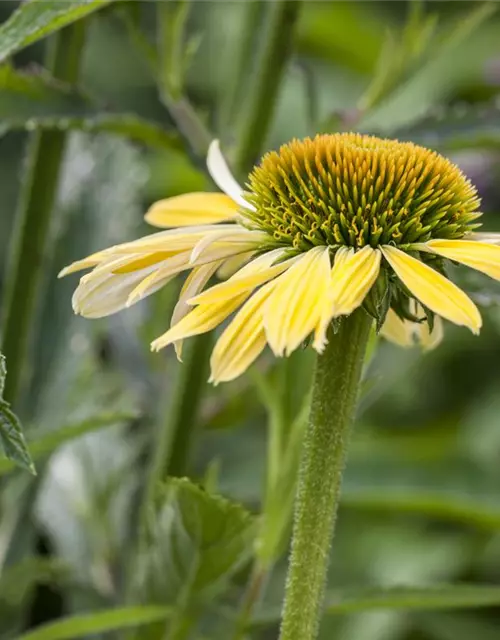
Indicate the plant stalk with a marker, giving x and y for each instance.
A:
(281, 20)
(32, 224)
(335, 391)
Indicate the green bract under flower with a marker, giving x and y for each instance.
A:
(354, 190)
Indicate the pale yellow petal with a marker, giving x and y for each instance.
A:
(194, 283)
(398, 331)
(200, 320)
(243, 340)
(493, 237)
(85, 263)
(237, 235)
(104, 295)
(430, 340)
(484, 257)
(433, 290)
(162, 273)
(294, 309)
(252, 275)
(192, 209)
(234, 264)
(170, 242)
(352, 277)
(222, 176)
(327, 311)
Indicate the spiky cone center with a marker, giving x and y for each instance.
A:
(354, 190)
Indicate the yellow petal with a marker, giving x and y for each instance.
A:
(242, 341)
(106, 293)
(144, 261)
(433, 290)
(492, 237)
(482, 256)
(194, 283)
(397, 330)
(252, 275)
(171, 242)
(430, 340)
(86, 263)
(237, 235)
(294, 309)
(352, 276)
(234, 264)
(200, 320)
(192, 209)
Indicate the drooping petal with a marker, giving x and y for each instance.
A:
(235, 236)
(406, 333)
(483, 256)
(200, 320)
(222, 176)
(102, 294)
(352, 276)
(243, 340)
(397, 330)
(253, 274)
(86, 263)
(430, 339)
(232, 265)
(167, 242)
(433, 290)
(192, 209)
(295, 307)
(194, 283)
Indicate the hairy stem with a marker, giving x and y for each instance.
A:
(335, 392)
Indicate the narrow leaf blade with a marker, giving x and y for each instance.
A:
(79, 626)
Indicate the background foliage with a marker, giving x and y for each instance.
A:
(106, 106)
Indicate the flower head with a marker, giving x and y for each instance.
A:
(325, 225)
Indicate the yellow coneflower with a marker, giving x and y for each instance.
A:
(324, 226)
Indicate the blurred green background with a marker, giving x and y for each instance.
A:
(421, 499)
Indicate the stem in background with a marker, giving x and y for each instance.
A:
(171, 21)
(280, 24)
(234, 96)
(335, 392)
(32, 223)
(183, 416)
(251, 598)
(172, 446)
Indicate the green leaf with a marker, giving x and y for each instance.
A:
(11, 434)
(36, 19)
(459, 127)
(30, 101)
(80, 626)
(442, 596)
(48, 443)
(194, 541)
(15, 581)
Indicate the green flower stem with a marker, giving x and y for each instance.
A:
(183, 416)
(32, 223)
(280, 25)
(233, 97)
(171, 22)
(335, 392)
